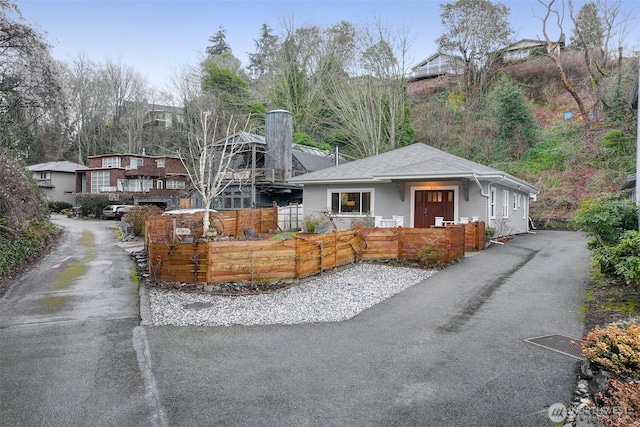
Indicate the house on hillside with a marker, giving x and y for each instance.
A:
(57, 180)
(154, 115)
(151, 180)
(436, 65)
(258, 173)
(527, 48)
(421, 185)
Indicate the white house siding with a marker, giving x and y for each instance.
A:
(516, 221)
(387, 202)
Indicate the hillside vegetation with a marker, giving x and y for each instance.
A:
(567, 159)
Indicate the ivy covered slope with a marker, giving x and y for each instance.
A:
(527, 124)
(24, 219)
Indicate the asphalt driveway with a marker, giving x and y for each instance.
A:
(449, 351)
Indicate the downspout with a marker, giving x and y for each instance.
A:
(475, 178)
(487, 195)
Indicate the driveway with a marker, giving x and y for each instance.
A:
(449, 351)
(66, 353)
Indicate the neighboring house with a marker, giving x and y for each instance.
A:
(436, 65)
(57, 180)
(258, 173)
(526, 48)
(423, 186)
(154, 115)
(156, 180)
(629, 187)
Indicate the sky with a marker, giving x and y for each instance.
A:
(158, 37)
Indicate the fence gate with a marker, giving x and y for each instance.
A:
(290, 217)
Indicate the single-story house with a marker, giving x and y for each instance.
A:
(57, 180)
(419, 186)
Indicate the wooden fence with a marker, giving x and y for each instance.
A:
(303, 255)
(168, 228)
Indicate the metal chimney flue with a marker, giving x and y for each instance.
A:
(279, 141)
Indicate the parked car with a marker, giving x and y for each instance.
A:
(115, 211)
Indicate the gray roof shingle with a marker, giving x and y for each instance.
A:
(416, 161)
(61, 166)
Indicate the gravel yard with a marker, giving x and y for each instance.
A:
(333, 297)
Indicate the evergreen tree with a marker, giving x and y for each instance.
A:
(261, 61)
(517, 126)
(219, 43)
(588, 32)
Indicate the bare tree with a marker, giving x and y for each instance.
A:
(597, 26)
(360, 103)
(208, 163)
(209, 151)
(552, 13)
(372, 110)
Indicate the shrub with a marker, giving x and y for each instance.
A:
(137, 215)
(310, 223)
(57, 207)
(429, 257)
(606, 218)
(615, 348)
(624, 401)
(36, 234)
(622, 259)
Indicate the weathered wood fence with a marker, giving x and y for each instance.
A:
(303, 255)
(165, 228)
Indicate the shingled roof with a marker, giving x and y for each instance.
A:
(61, 166)
(411, 163)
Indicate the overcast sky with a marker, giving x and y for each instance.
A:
(157, 37)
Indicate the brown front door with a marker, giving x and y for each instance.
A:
(432, 203)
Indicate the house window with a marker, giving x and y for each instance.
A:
(160, 163)
(492, 204)
(505, 203)
(43, 175)
(131, 185)
(524, 208)
(233, 200)
(111, 162)
(135, 163)
(515, 201)
(100, 180)
(351, 202)
(159, 184)
(175, 185)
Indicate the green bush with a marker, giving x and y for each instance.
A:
(36, 235)
(606, 218)
(622, 259)
(57, 207)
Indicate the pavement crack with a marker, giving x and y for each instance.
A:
(476, 302)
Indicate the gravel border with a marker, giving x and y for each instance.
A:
(332, 297)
